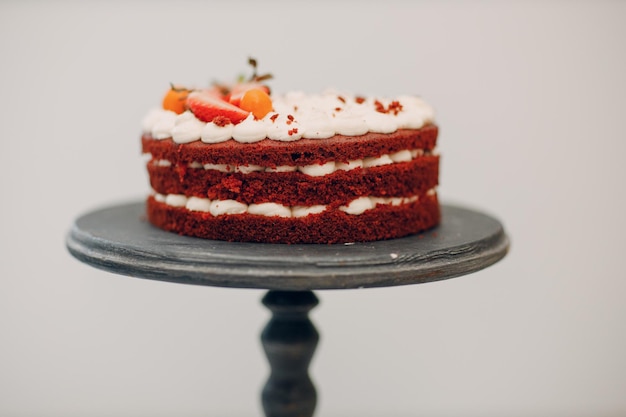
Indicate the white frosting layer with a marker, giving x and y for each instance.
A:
(315, 170)
(223, 207)
(187, 128)
(298, 115)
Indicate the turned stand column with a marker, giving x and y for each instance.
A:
(289, 341)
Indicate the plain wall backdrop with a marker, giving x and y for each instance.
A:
(530, 97)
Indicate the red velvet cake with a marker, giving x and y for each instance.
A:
(239, 164)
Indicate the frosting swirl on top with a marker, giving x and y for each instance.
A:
(298, 115)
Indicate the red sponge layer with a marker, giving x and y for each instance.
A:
(272, 153)
(402, 179)
(331, 226)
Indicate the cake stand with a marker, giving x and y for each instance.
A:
(119, 239)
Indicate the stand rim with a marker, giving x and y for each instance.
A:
(118, 239)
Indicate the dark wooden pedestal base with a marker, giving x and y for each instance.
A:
(118, 239)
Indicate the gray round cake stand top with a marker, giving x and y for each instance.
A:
(119, 239)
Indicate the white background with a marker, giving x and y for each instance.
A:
(530, 97)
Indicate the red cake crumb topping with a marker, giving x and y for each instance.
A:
(394, 107)
(221, 121)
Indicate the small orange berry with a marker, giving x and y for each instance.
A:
(175, 99)
(256, 101)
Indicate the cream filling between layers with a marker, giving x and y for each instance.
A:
(230, 207)
(314, 170)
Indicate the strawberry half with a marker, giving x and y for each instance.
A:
(206, 107)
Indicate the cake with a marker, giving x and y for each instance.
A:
(238, 163)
